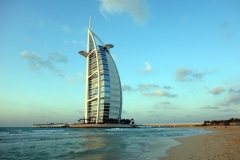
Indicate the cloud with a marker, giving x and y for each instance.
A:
(156, 115)
(124, 111)
(212, 71)
(126, 87)
(74, 41)
(82, 76)
(147, 69)
(182, 73)
(70, 80)
(226, 110)
(223, 26)
(137, 9)
(186, 74)
(77, 42)
(144, 87)
(66, 28)
(82, 43)
(232, 99)
(234, 89)
(57, 57)
(205, 87)
(159, 93)
(36, 62)
(28, 40)
(170, 107)
(165, 102)
(167, 87)
(217, 90)
(198, 75)
(227, 36)
(209, 107)
(141, 87)
(164, 105)
(80, 111)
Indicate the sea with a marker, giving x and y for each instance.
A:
(89, 144)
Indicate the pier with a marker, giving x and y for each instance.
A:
(169, 125)
(51, 125)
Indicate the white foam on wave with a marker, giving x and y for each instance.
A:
(117, 129)
(47, 130)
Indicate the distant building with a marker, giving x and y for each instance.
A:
(103, 94)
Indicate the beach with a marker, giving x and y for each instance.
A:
(222, 144)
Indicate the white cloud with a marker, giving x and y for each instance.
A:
(234, 89)
(198, 75)
(205, 87)
(226, 110)
(74, 42)
(217, 90)
(82, 43)
(126, 87)
(66, 28)
(159, 93)
(212, 71)
(164, 105)
(186, 74)
(70, 80)
(209, 107)
(167, 87)
(137, 9)
(225, 29)
(82, 76)
(165, 102)
(147, 69)
(57, 57)
(28, 40)
(36, 62)
(143, 87)
(224, 26)
(182, 73)
(232, 99)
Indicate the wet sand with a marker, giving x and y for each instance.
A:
(223, 144)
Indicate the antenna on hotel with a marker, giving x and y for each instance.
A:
(90, 20)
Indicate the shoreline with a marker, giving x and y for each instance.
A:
(222, 144)
(159, 147)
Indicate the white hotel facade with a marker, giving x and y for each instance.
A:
(103, 94)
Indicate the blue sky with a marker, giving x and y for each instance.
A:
(178, 61)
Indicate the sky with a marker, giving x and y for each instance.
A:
(178, 61)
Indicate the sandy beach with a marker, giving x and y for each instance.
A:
(222, 144)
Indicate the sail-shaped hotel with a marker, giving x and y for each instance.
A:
(103, 94)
